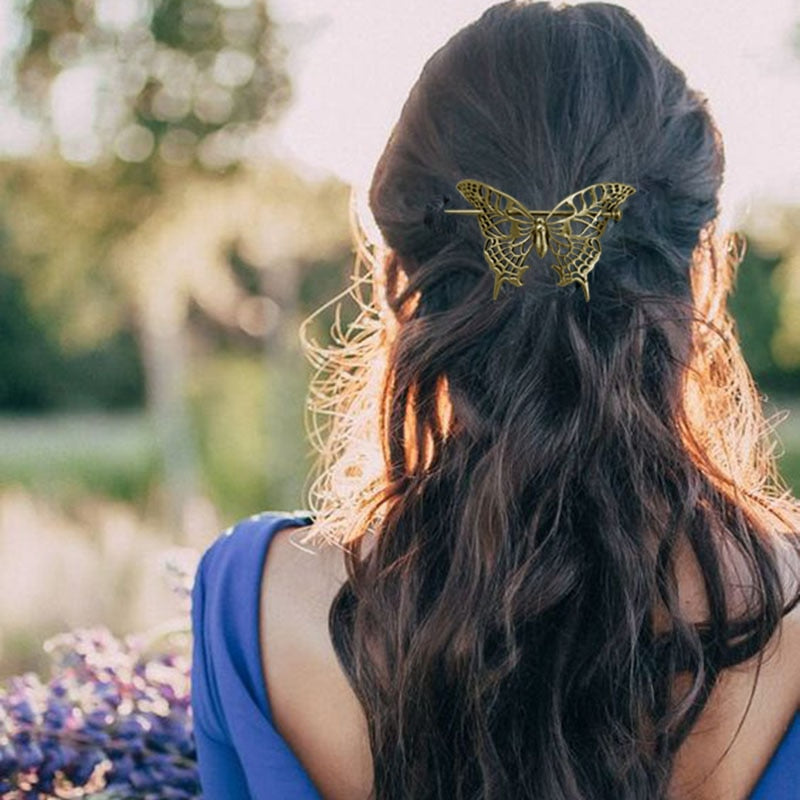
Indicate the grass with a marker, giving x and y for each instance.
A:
(63, 456)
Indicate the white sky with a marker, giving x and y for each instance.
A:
(354, 64)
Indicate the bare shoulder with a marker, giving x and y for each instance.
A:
(313, 706)
(789, 566)
(716, 762)
(297, 575)
(783, 650)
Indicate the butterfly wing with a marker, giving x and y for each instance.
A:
(507, 227)
(574, 238)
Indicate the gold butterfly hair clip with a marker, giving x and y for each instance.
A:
(571, 231)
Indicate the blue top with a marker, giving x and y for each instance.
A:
(241, 756)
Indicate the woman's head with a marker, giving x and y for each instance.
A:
(541, 102)
(515, 630)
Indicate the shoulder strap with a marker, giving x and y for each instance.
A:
(225, 608)
(781, 777)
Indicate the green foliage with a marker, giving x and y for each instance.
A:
(38, 373)
(159, 91)
(69, 457)
(756, 307)
(789, 467)
(176, 80)
(248, 419)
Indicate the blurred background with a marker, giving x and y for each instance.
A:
(174, 186)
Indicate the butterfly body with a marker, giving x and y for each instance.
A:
(540, 236)
(571, 231)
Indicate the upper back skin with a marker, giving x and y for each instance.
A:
(316, 712)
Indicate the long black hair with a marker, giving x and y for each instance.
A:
(529, 468)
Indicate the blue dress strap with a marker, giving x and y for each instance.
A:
(781, 779)
(241, 755)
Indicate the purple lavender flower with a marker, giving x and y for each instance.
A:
(114, 720)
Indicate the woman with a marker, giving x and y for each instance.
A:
(560, 563)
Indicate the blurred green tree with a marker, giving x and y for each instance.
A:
(130, 101)
(761, 303)
(149, 82)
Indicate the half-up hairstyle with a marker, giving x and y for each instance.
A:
(529, 469)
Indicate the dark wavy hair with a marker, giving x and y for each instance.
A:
(529, 468)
